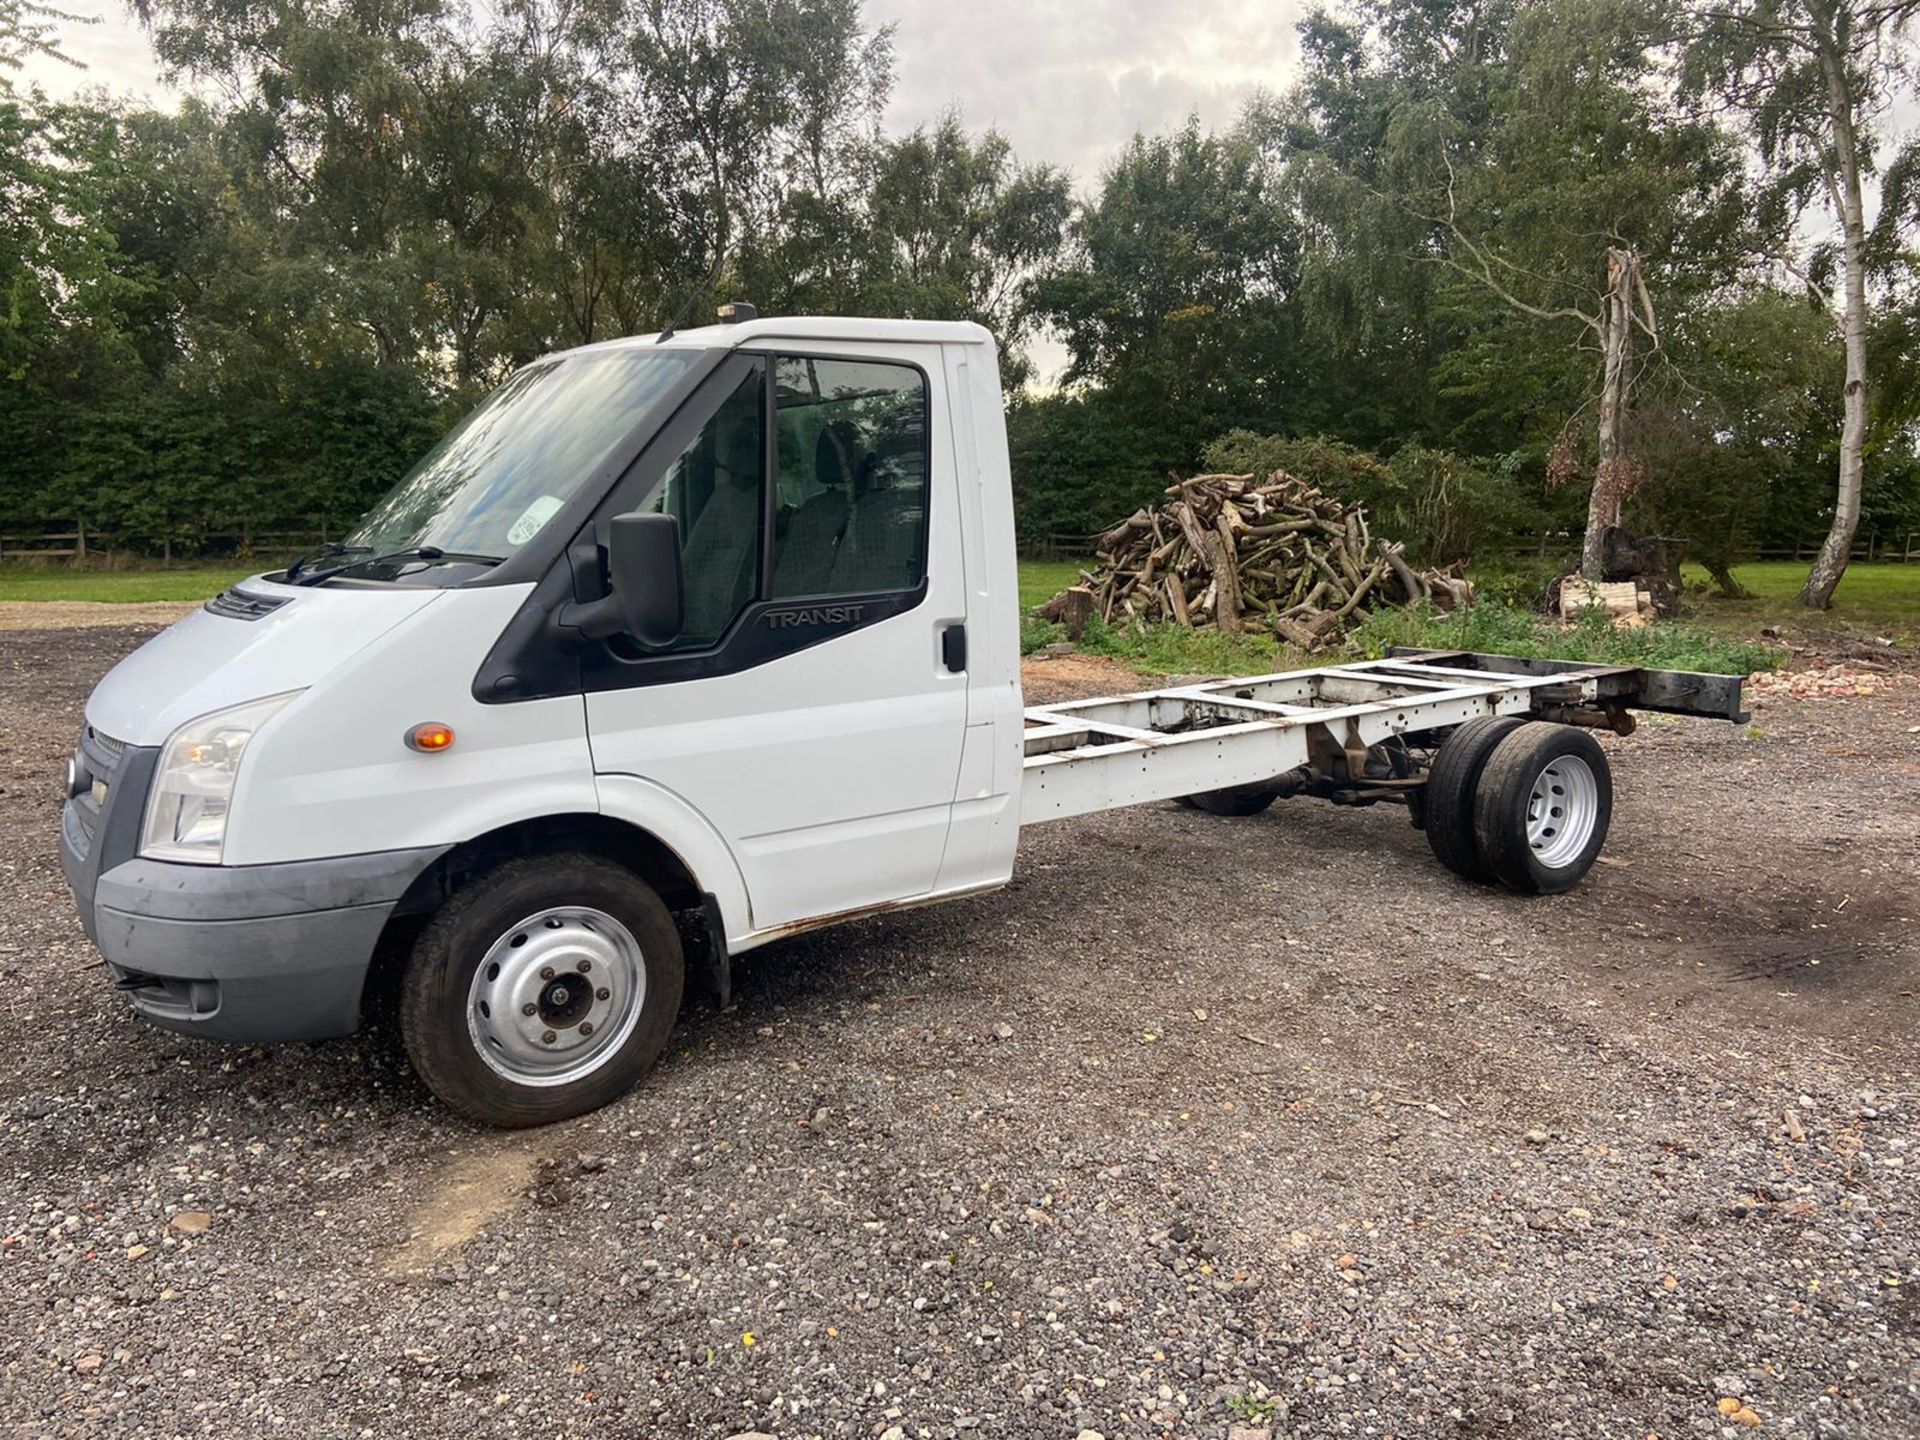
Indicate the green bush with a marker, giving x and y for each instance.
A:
(1036, 634)
(1441, 506)
(1523, 581)
(1077, 467)
(1354, 475)
(1177, 650)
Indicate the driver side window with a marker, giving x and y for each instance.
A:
(716, 489)
(852, 481)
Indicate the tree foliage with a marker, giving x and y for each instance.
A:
(253, 313)
(249, 313)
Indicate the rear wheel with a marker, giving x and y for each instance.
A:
(1447, 803)
(542, 990)
(1241, 800)
(1543, 806)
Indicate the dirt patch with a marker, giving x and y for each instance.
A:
(1049, 679)
(81, 614)
(469, 1193)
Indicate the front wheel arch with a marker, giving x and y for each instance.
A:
(638, 849)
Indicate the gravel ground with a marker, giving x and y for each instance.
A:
(1201, 1122)
(73, 614)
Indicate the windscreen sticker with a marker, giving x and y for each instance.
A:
(532, 518)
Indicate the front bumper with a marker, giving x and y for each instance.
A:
(263, 980)
(256, 953)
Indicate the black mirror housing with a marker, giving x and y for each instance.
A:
(645, 596)
(643, 565)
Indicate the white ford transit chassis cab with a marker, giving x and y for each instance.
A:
(675, 646)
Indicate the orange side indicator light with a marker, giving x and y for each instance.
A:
(430, 738)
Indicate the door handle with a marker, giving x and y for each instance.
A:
(953, 648)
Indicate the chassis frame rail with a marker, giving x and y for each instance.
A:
(1083, 756)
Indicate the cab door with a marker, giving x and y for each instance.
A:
(814, 707)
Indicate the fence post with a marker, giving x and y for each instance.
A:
(79, 540)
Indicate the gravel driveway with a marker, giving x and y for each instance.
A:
(1202, 1123)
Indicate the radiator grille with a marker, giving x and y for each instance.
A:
(99, 759)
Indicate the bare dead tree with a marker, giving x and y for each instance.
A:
(1624, 307)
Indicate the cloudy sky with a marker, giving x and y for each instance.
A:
(1069, 80)
(1066, 80)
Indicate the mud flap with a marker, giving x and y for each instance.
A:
(703, 938)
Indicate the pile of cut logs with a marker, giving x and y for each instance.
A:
(1236, 553)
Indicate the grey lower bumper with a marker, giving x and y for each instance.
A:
(256, 953)
(272, 978)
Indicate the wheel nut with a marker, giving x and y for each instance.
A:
(586, 1027)
(546, 972)
(529, 1008)
(603, 993)
(549, 1038)
(585, 966)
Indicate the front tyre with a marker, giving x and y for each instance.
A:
(542, 990)
(1542, 808)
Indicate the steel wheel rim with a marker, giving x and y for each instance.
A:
(556, 996)
(1562, 811)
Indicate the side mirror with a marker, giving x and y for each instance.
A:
(643, 568)
(643, 564)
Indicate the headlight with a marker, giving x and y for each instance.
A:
(187, 807)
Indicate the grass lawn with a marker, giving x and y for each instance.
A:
(1881, 598)
(1718, 637)
(120, 587)
(1041, 580)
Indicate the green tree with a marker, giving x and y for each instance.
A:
(1739, 432)
(954, 228)
(1811, 78)
(1556, 187)
(1175, 294)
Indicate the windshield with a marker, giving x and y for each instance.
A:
(503, 472)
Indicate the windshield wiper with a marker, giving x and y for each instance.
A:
(356, 557)
(326, 552)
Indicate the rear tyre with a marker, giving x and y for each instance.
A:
(1542, 809)
(542, 990)
(1448, 797)
(1237, 801)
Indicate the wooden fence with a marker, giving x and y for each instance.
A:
(58, 540)
(55, 540)
(1869, 548)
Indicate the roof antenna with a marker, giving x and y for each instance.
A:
(693, 298)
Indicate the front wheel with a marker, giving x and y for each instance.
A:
(542, 990)
(1542, 808)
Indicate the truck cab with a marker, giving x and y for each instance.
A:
(675, 645)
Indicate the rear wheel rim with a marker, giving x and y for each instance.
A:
(556, 996)
(1562, 810)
